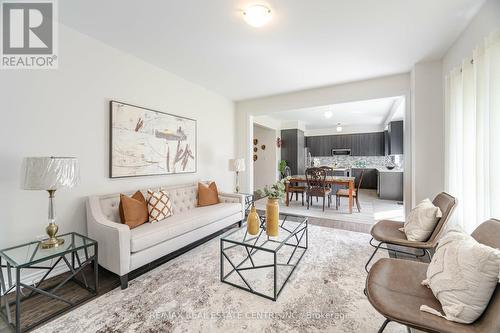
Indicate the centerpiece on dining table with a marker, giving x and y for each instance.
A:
(274, 194)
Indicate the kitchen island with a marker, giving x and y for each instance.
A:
(390, 184)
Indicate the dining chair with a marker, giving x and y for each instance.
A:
(387, 232)
(344, 193)
(316, 186)
(329, 170)
(294, 188)
(329, 173)
(394, 288)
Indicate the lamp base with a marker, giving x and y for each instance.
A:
(51, 243)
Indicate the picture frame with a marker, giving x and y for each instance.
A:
(147, 142)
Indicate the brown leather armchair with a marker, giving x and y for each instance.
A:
(394, 289)
(387, 232)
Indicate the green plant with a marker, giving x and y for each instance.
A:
(275, 191)
(281, 168)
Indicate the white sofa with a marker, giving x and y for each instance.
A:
(122, 249)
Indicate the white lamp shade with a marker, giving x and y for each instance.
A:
(50, 173)
(237, 165)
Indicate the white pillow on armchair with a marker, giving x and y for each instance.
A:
(421, 221)
(462, 275)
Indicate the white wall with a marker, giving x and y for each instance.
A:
(266, 167)
(486, 21)
(65, 112)
(427, 130)
(293, 124)
(269, 122)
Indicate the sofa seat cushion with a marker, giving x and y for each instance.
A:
(150, 234)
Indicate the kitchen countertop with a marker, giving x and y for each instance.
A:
(378, 168)
(383, 169)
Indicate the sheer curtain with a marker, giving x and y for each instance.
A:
(472, 147)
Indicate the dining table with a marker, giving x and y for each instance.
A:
(330, 180)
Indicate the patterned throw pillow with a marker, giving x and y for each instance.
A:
(159, 206)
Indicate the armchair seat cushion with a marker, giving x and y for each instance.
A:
(150, 234)
(388, 231)
(394, 289)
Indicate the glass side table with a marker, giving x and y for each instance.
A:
(76, 253)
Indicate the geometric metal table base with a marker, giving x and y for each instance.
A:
(25, 291)
(284, 252)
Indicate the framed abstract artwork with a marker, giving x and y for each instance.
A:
(146, 142)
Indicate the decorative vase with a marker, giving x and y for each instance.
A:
(253, 221)
(272, 217)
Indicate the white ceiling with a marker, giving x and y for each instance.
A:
(307, 44)
(353, 114)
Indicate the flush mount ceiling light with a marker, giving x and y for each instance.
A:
(257, 15)
(328, 114)
(339, 127)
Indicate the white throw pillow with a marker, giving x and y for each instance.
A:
(462, 275)
(159, 206)
(421, 221)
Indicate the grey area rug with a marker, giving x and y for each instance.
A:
(324, 294)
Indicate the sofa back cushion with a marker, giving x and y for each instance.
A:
(183, 198)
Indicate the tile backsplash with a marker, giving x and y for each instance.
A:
(365, 161)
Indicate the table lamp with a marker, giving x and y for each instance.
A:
(50, 174)
(237, 165)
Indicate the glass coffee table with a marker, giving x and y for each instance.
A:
(262, 264)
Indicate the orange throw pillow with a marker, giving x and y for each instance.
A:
(207, 195)
(134, 210)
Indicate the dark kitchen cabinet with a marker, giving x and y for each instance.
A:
(367, 144)
(395, 134)
(356, 144)
(374, 144)
(387, 141)
(313, 143)
(325, 144)
(292, 150)
(369, 178)
(301, 157)
(364, 144)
